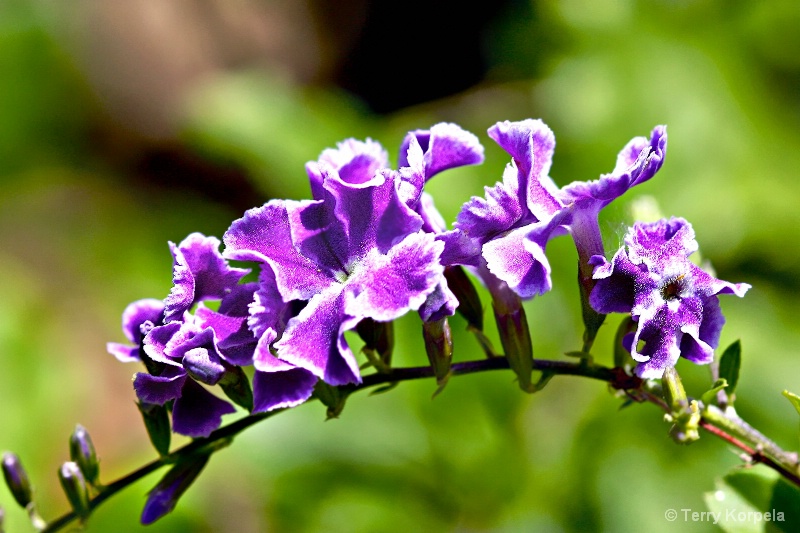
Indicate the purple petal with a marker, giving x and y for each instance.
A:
(443, 147)
(286, 388)
(159, 389)
(139, 312)
(123, 352)
(629, 171)
(519, 262)
(387, 286)
(199, 273)
(157, 343)
(459, 249)
(314, 339)
(198, 412)
(485, 218)
(440, 304)
(530, 143)
(264, 235)
(354, 161)
(614, 290)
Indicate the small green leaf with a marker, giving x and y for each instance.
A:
(754, 500)
(794, 398)
(729, 365)
(711, 393)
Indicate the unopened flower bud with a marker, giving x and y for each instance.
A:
(515, 338)
(469, 303)
(439, 347)
(82, 452)
(162, 499)
(74, 485)
(378, 338)
(236, 386)
(204, 368)
(17, 479)
(156, 421)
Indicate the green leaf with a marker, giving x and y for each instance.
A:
(711, 393)
(729, 365)
(754, 500)
(794, 398)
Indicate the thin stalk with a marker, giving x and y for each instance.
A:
(714, 421)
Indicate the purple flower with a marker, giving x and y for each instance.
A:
(513, 223)
(184, 349)
(423, 154)
(673, 300)
(355, 251)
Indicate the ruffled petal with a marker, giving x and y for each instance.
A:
(199, 273)
(286, 388)
(385, 287)
(531, 144)
(159, 389)
(198, 412)
(264, 235)
(443, 147)
(484, 218)
(314, 339)
(137, 313)
(519, 262)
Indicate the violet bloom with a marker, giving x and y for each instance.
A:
(512, 224)
(185, 349)
(673, 300)
(355, 251)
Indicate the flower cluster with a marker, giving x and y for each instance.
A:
(370, 246)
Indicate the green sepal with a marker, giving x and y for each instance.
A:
(331, 397)
(439, 348)
(516, 340)
(685, 414)
(378, 339)
(729, 365)
(622, 357)
(711, 393)
(469, 303)
(236, 386)
(156, 421)
(592, 320)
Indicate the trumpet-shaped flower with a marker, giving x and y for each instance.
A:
(673, 301)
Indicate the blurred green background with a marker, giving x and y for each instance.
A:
(124, 125)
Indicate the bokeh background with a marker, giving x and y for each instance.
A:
(127, 124)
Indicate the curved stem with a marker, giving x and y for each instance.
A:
(720, 426)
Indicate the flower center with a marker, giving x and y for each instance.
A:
(671, 290)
